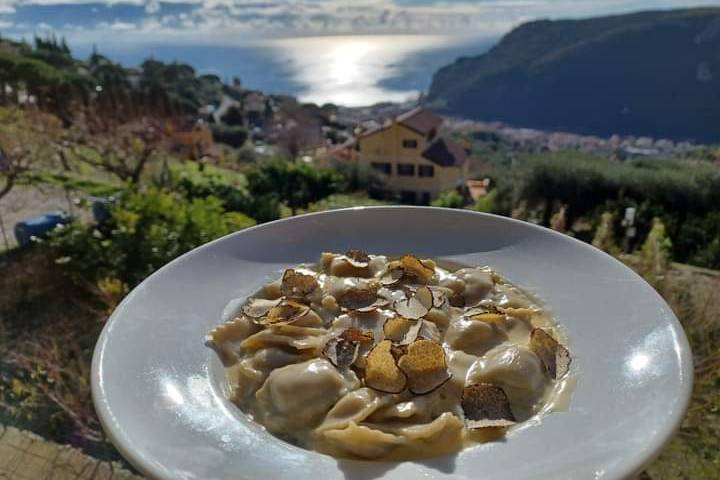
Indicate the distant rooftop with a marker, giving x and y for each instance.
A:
(418, 119)
(421, 120)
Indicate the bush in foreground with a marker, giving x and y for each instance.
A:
(451, 199)
(146, 230)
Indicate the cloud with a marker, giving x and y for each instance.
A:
(122, 26)
(152, 6)
(201, 20)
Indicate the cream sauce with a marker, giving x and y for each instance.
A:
(280, 377)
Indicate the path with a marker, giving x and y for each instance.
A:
(26, 456)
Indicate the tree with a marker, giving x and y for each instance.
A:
(8, 76)
(295, 184)
(40, 79)
(294, 137)
(124, 150)
(358, 176)
(300, 130)
(153, 88)
(54, 52)
(26, 137)
(113, 91)
(233, 117)
(558, 221)
(12, 165)
(174, 88)
(234, 136)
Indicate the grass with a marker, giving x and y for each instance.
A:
(78, 182)
(47, 333)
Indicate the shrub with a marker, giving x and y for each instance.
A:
(340, 200)
(146, 231)
(233, 116)
(228, 186)
(655, 254)
(246, 155)
(558, 221)
(708, 255)
(451, 199)
(297, 185)
(605, 236)
(683, 194)
(487, 204)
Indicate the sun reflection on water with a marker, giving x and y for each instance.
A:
(353, 70)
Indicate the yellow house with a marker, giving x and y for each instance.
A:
(418, 164)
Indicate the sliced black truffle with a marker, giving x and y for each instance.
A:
(381, 371)
(486, 405)
(297, 285)
(425, 366)
(554, 356)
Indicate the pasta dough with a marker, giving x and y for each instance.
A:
(371, 357)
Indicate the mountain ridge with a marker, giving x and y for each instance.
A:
(653, 73)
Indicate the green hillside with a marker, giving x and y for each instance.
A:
(64, 85)
(649, 73)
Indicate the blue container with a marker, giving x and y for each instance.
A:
(39, 226)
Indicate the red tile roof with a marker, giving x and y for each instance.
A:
(421, 120)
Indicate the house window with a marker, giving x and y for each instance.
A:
(406, 169)
(382, 167)
(409, 143)
(407, 196)
(426, 171)
(425, 197)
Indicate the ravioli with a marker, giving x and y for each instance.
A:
(378, 358)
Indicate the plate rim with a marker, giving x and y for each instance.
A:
(624, 470)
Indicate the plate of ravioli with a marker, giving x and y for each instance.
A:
(392, 342)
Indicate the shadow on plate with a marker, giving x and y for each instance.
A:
(367, 470)
(380, 230)
(364, 470)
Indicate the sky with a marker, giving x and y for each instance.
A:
(220, 22)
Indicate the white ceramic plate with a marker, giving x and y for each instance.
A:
(159, 391)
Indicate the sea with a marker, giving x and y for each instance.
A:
(348, 70)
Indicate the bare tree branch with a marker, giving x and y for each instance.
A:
(123, 150)
(9, 184)
(24, 140)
